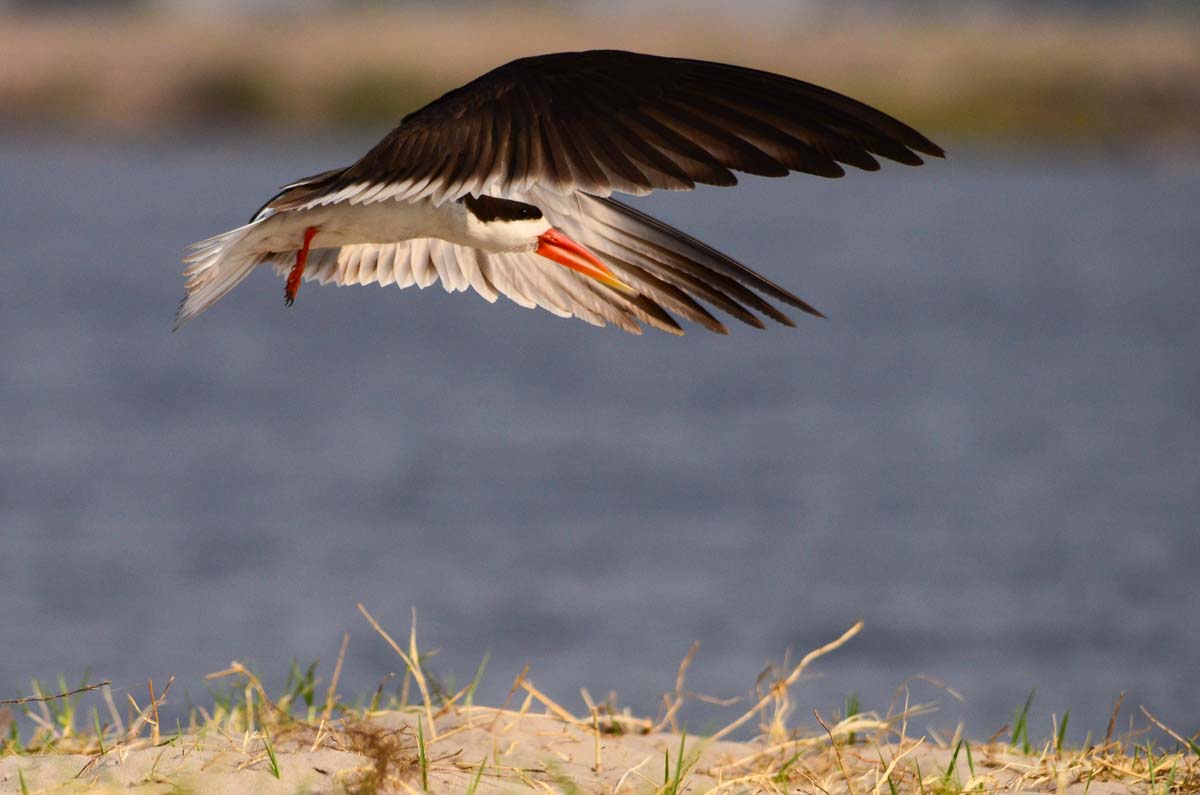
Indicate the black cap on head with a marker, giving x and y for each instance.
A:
(489, 208)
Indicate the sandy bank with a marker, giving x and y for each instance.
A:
(511, 751)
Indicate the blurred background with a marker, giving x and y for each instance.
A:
(990, 452)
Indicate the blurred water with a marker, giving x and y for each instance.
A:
(991, 452)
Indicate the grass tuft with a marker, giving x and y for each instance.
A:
(948, 776)
(273, 760)
(385, 743)
(851, 709)
(672, 784)
(1020, 726)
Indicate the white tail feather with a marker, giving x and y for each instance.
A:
(215, 266)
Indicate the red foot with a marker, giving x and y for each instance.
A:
(294, 276)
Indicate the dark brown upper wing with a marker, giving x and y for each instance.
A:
(607, 120)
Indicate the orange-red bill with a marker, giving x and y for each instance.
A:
(554, 245)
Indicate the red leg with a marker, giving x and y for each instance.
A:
(293, 279)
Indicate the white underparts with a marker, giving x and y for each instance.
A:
(391, 222)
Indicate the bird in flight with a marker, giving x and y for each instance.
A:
(505, 185)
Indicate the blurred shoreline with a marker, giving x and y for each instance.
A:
(990, 80)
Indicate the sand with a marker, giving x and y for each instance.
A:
(534, 752)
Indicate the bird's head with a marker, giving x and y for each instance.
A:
(504, 225)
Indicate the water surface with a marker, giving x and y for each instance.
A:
(990, 452)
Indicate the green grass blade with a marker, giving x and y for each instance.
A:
(1020, 730)
(676, 781)
(478, 775)
(424, 759)
(781, 775)
(271, 754)
(953, 763)
(851, 709)
(14, 737)
(470, 697)
(1062, 731)
(891, 784)
(99, 730)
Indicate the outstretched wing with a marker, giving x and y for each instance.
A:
(525, 278)
(673, 274)
(608, 120)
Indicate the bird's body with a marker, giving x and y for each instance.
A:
(503, 185)
(386, 222)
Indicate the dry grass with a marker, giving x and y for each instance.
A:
(988, 78)
(307, 739)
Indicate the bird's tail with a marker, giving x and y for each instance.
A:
(215, 266)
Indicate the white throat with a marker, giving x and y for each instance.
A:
(503, 236)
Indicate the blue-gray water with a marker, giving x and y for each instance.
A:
(991, 452)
